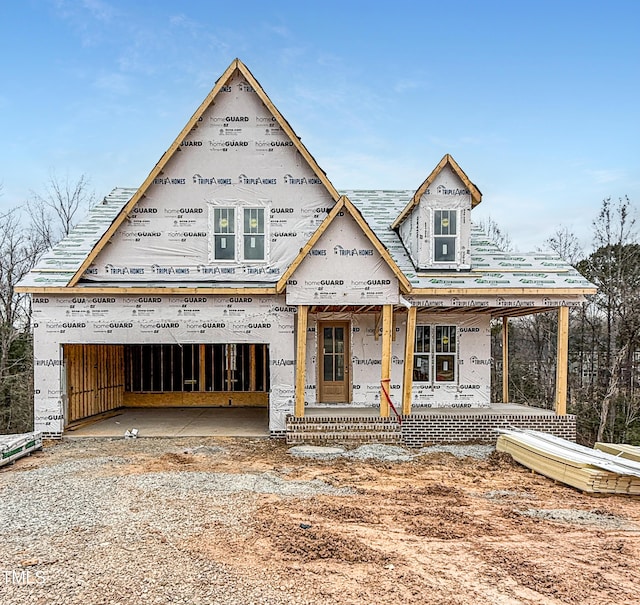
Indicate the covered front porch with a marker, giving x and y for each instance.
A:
(398, 323)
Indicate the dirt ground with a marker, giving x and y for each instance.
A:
(437, 529)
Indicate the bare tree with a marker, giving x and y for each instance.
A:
(55, 212)
(566, 245)
(615, 268)
(496, 236)
(52, 215)
(19, 251)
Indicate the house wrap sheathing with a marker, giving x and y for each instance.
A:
(236, 275)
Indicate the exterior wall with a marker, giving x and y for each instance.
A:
(174, 319)
(409, 232)
(472, 387)
(366, 353)
(237, 156)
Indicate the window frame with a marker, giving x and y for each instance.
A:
(254, 234)
(438, 236)
(217, 218)
(441, 345)
(239, 233)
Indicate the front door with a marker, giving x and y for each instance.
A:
(334, 362)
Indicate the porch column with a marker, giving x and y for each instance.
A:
(301, 359)
(505, 359)
(562, 361)
(409, 347)
(387, 320)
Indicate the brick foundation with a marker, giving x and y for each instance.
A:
(419, 430)
(448, 428)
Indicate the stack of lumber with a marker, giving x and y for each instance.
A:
(13, 447)
(621, 450)
(588, 470)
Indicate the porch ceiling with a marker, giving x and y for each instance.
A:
(493, 311)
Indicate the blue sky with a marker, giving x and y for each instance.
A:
(536, 100)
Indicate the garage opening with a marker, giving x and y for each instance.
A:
(101, 378)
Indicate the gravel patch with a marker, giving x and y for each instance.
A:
(79, 530)
(480, 452)
(389, 453)
(373, 451)
(507, 494)
(579, 517)
(316, 451)
(384, 453)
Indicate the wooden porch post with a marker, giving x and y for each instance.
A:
(505, 359)
(409, 346)
(301, 360)
(387, 320)
(562, 361)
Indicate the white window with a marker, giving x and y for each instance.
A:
(422, 354)
(253, 230)
(248, 223)
(445, 235)
(435, 356)
(224, 238)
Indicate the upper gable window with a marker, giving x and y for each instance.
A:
(253, 233)
(445, 236)
(249, 224)
(224, 233)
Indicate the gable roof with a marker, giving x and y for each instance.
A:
(493, 271)
(447, 160)
(343, 205)
(236, 65)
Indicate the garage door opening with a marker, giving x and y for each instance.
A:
(101, 378)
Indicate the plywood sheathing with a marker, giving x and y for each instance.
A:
(236, 66)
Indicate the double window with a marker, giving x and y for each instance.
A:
(445, 235)
(435, 354)
(239, 234)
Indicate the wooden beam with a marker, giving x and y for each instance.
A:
(202, 378)
(562, 361)
(385, 375)
(140, 290)
(252, 367)
(505, 360)
(409, 347)
(301, 359)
